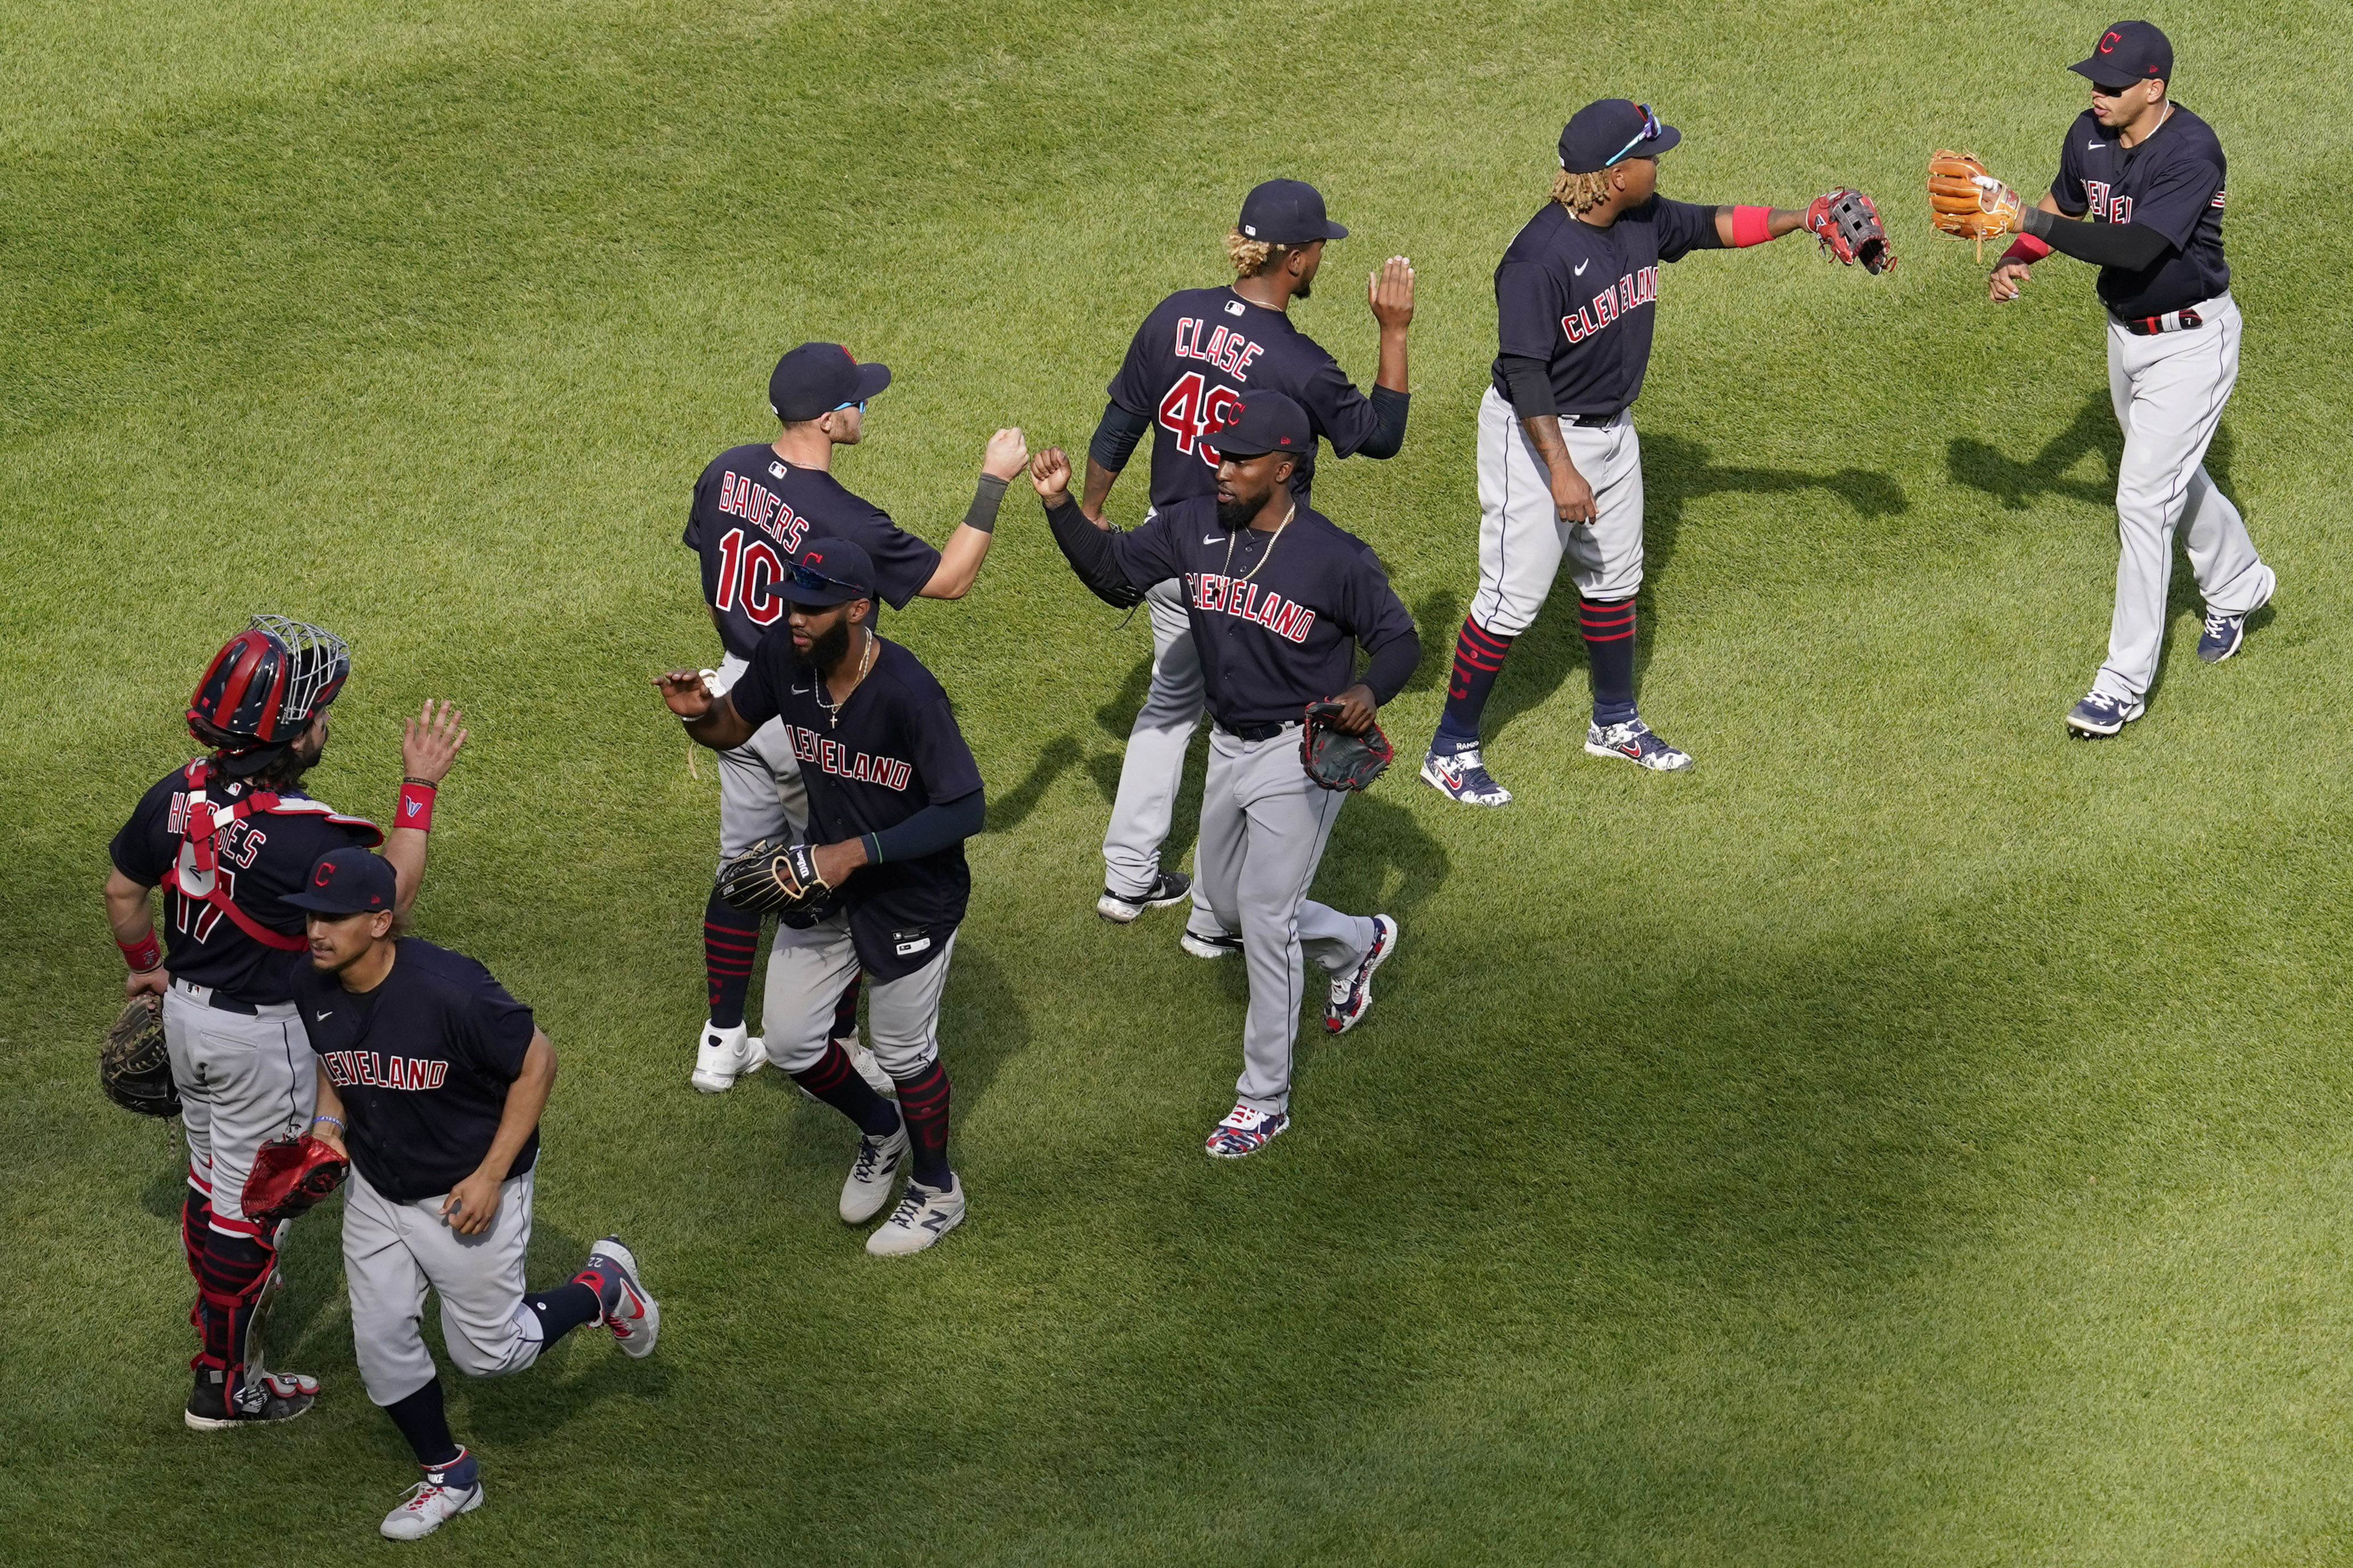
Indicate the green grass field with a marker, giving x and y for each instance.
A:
(1909, 1138)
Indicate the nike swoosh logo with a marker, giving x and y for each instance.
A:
(324, 1017)
(2091, 144)
(1209, 539)
(803, 690)
(1579, 269)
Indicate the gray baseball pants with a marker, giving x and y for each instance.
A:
(1153, 769)
(1264, 826)
(1522, 539)
(244, 1078)
(395, 1251)
(807, 969)
(2169, 390)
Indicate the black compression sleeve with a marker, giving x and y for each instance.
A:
(2131, 246)
(930, 830)
(1531, 387)
(1389, 434)
(1391, 666)
(1117, 436)
(1088, 550)
(986, 496)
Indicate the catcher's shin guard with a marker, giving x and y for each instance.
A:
(233, 1289)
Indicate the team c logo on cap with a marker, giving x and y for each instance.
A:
(319, 877)
(2108, 44)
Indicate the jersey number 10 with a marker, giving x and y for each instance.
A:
(745, 571)
(1194, 409)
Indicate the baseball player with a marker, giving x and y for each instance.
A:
(756, 509)
(1560, 471)
(1278, 598)
(1192, 360)
(230, 837)
(2148, 175)
(430, 1081)
(893, 793)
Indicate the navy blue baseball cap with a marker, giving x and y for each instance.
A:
(1286, 212)
(2127, 53)
(817, 378)
(1612, 132)
(830, 571)
(1266, 422)
(347, 881)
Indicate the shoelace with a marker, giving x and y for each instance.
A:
(2218, 625)
(910, 1203)
(870, 1154)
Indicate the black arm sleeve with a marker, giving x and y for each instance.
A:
(1389, 434)
(1116, 437)
(1531, 385)
(1392, 667)
(2131, 246)
(1088, 550)
(930, 830)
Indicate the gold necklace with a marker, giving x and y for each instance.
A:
(1234, 537)
(833, 710)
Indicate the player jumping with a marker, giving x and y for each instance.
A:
(893, 793)
(755, 510)
(1278, 600)
(1191, 360)
(231, 837)
(1560, 471)
(430, 1081)
(2148, 175)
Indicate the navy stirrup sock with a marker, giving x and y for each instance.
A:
(1609, 629)
(1478, 660)
(924, 1100)
(730, 937)
(422, 1421)
(836, 1082)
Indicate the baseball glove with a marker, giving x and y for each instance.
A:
(1338, 760)
(133, 1068)
(772, 876)
(290, 1175)
(1847, 223)
(1967, 202)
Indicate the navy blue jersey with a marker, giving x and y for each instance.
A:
(1583, 299)
(1188, 366)
(2173, 183)
(892, 750)
(753, 511)
(258, 860)
(1275, 615)
(423, 1063)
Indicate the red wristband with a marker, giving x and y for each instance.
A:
(415, 809)
(2027, 249)
(142, 955)
(1751, 225)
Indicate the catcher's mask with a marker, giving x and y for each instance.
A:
(264, 688)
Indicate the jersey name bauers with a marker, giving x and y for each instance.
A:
(372, 1070)
(1212, 593)
(829, 755)
(1631, 289)
(748, 566)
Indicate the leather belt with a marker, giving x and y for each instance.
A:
(205, 995)
(2171, 321)
(1591, 421)
(1266, 732)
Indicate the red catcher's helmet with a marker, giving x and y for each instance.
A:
(266, 685)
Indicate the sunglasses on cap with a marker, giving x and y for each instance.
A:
(817, 582)
(1650, 133)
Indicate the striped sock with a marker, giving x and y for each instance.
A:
(730, 937)
(1608, 627)
(1478, 660)
(924, 1100)
(836, 1082)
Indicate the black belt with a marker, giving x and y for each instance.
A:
(1591, 421)
(219, 1001)
(2171, 321)
(1267, 731)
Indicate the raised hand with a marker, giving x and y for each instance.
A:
(1390, 291)
(685, 691)
(1007, 451)
(429, 742)
(1049, 471)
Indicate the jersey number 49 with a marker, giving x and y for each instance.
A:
(1194, 408)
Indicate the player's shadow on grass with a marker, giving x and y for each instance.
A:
(1676, 471)
(2055, 468)
(1011, 809)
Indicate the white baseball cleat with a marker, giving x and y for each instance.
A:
(923, 1216)
(1244, 1131)
(633, 1316)
(872, 1175)
(725, 1055)
(1214, 944)
(1352, 993)
(434, 1502)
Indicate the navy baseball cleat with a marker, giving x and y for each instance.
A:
(1244, 1131)
(2101, 714)
(1634, 742)
(2221, 636)
(1462, 776)
(634, 1316)
(1169, 887)
(1352, 993)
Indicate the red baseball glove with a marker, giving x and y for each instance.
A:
(290, 1175)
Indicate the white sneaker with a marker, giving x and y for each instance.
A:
(726, 1055)
(923, 1216)
(430, 1504)
(872, 1175)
